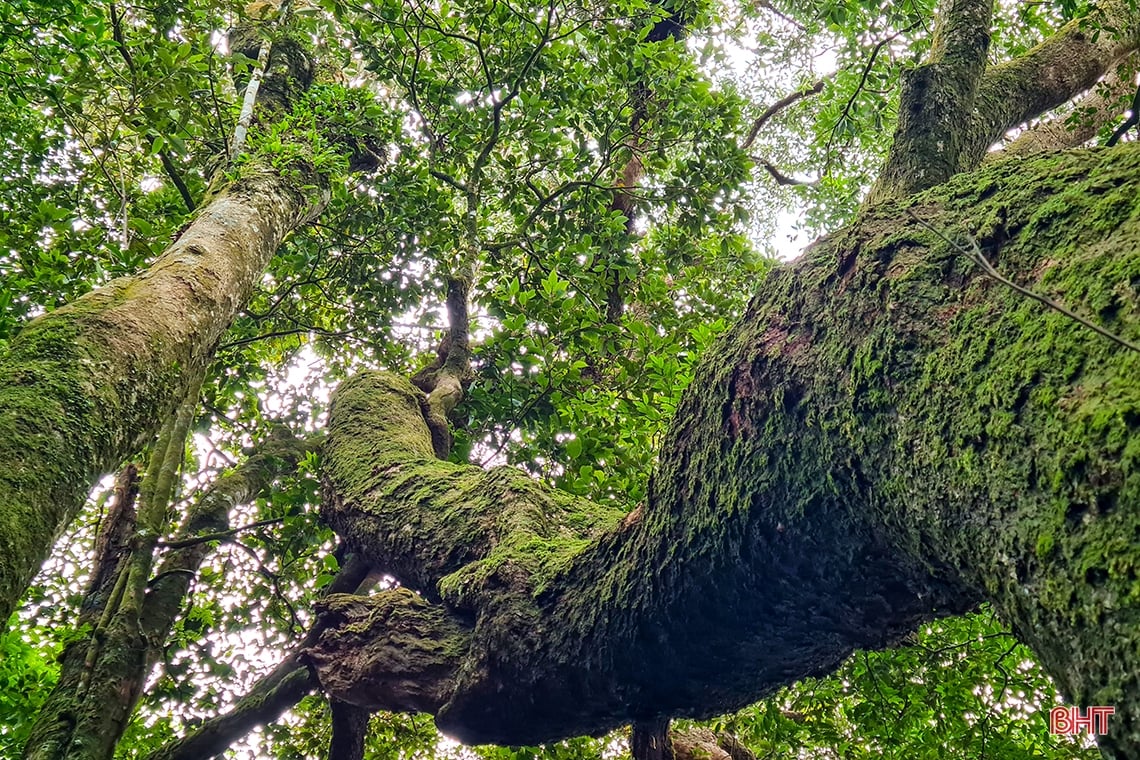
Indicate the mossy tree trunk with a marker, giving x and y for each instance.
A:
(87, 385)
(889, 435)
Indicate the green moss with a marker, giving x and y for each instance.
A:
(485, 529)
(886, 417)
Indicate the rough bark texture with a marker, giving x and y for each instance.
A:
(1100, 106)
(937, 98)
(83, 387)
(1067, 63)
(887, 435)
(953, 108)
(703, 744)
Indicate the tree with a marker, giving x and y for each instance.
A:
(933, 408)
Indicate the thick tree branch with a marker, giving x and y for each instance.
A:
(703, 744)
(842, 469)
(392, 651)
(349, 731)
(1064, 65)
(379, 417)
(936, 101)
(135, 342)
(1100, 106)
(650, 740)
(445, 379)
(83, 387)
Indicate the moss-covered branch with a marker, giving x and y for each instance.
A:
(888, 435)
(936, 101)
(953, 107)
(1100, 106)
(1061, 67)
(468, 528)
(85, 386)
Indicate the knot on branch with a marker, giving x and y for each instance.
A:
(392, 651)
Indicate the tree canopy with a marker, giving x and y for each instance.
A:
(513, 234)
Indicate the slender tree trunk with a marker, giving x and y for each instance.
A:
(888, 435)
(85, 386)
(103, 673)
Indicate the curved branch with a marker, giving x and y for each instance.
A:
(266, 702)
(788, 100)
(1066, 64)
(1100, 106)
(841, 470)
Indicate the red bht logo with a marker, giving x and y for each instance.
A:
(1073, 720)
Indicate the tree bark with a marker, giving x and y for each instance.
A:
(100, 681)
(1066, 64)
(953, 107)
(1102, 105)
(937, 98)
(85, 386)
(887, 436)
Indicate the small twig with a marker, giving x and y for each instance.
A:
(1133, 120)
(780, 177)
(220, 536)
(179, 184)
(766, 5)
(859, 88)
(979, 258)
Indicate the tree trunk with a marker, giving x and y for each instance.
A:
(887, 436)
(102, 674)
(85, 386)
